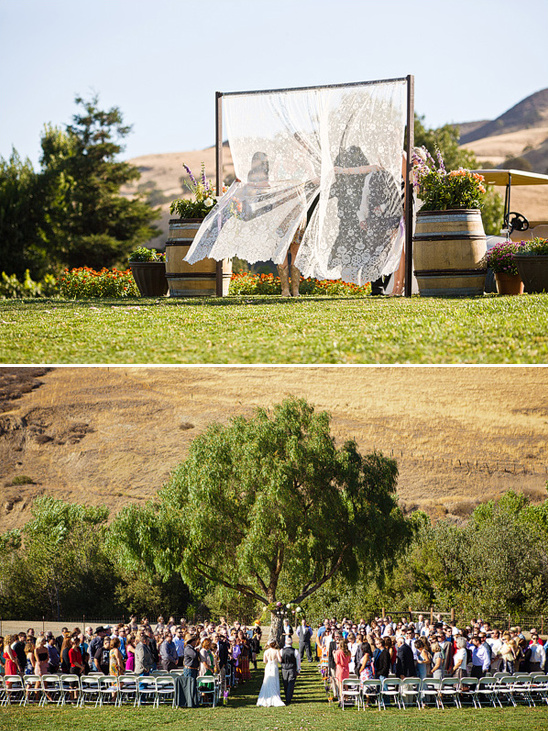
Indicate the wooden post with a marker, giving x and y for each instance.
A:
(453, 615)
(43, 624)
(219, 176)
(541, 625)
(408, 213)
(383, 613)
(431, 616)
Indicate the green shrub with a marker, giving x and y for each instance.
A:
(22, 480)
(12, 288)
(145, 254)
(84, 282)
(535, 246)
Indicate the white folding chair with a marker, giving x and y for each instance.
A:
(90, 690)
(410, 692)
(391, 690)
(165, 690)
(33, 689)
(539, 688)
(127, 689)
(14, 689)
(371, 691)
(147, 690)
(108, 690)
(350, 692)
(505, 690)
(468, 688)
(449, 689)
(51, 689)
(522, 689)
(70, 688)
(486, 689)
(430, 691)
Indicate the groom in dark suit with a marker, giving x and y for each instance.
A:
(291, 667)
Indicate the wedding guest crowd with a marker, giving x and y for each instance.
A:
(383, 647)
(222, 649)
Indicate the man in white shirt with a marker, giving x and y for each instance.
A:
(495, 643)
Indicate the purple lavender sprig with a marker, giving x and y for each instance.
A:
(189, 171)
(440, 160)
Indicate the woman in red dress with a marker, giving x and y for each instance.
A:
(11, 667)
(342, 658)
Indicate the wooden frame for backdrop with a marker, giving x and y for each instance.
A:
(409, 144)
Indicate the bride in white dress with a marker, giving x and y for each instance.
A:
(270, 689)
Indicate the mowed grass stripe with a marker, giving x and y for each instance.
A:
(485, 330)
(310, 711)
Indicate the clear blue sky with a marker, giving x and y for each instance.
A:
(161, 61)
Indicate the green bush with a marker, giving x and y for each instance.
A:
(535, 246)
(145, 254)
(84, 282)
(12, 288)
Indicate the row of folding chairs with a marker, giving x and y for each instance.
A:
(494, 691)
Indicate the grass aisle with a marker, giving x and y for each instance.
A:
(259, 329)
(309, 712)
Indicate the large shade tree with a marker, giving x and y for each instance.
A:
(270, 507)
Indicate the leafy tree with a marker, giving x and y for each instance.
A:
(71, 212)
(99, 227)
(269, 507)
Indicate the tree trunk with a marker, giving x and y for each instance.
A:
(276, 630)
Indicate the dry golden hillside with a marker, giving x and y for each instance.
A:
(112, 435)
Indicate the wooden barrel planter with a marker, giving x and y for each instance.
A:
(203, 279)
(533, 270)
(448, 248)
(150, 277)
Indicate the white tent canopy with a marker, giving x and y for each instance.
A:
(339, 148)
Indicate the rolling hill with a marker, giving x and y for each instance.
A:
(112, 435)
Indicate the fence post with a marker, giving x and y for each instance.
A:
(383, 613)
(431, 616)
(453, 616)
(541, 625)
(43, 624)
(509, 621)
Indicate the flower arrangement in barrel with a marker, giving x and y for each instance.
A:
(442, 190)
(203, 196)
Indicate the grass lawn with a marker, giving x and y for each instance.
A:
(264, 329)
(309, 712)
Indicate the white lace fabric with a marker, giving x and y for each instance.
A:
(341, 148)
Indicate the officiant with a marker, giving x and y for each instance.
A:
(291, 667)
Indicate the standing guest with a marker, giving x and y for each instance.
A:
(222, 651)
(290, 664)
(481, 659)
(18, 646)
(341, 657)
(168, 653)
(11, 663)
(255, 645)
(495, 644)
(30, 659)
(2, 658)
(76, 661)
(509, 651)
(405, 662)
(365, 668)
(122, 634)
(191, 659)
(41, 657)
(304, 633)
(179, 642)
(423, 659)
(116, 660)
(160, 625)
(102, 657)
(438, 669)
(54, 659)
(524, 656)
(207, 660)
(65, 660)
(61, 638)
(130, 649)
(245, 656)
(144, 661)
(96, 643)
(390, 646)
(460, 658)
(538, 654)
(382, 663)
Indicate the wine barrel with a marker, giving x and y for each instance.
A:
(191, 280)
(448, 248)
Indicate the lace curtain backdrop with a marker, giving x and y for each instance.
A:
(340, 146)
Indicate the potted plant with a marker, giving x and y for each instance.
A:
(501, 260)
(149, 271)
(532, 264)
(449, 239)
(202, 278)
